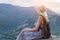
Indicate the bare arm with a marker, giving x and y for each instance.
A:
(39, 21)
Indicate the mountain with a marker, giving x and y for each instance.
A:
(14, 18)
(54, 21)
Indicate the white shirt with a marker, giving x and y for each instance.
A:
(45, 14)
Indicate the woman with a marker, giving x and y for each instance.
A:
(39, 31)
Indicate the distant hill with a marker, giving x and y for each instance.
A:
(14, 18)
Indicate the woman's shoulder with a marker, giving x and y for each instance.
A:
(43, 14)
(40, 17)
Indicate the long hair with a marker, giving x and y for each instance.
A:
(46, 29)
(42, 9)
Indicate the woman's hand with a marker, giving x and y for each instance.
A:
(27, 29)
(24, 30)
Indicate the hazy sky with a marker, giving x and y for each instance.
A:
(52, 4)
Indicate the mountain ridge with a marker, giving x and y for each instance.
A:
(14, 18)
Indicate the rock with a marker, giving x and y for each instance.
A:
(52, 38)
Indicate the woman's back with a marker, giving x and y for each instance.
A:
(45, 29)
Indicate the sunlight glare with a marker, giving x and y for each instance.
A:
(57, 0)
